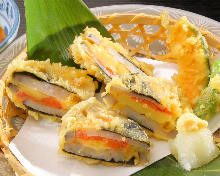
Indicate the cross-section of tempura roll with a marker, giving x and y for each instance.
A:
(152, 102)
(46, 89)
(104, 58)
(92, 133)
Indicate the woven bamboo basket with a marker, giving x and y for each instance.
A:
(122, 27)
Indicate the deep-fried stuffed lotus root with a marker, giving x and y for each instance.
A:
(93, 134)
(152, 102)
(46, 89)
(104, 58)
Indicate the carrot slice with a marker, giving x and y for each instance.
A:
(49, 101)
(2, 34)
(151, 104)
(114, 144)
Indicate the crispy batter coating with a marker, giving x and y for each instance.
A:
(86, 46)
(72, 79)
(162, 90)
(92, 114)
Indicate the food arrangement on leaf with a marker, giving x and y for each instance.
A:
(134, 106)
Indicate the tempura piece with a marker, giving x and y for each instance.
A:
(186, 44)
(92, 133)
(104, 58)
(152, 102)
(46, 89)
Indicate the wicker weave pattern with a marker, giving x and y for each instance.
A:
(144, 33)
(142, 29)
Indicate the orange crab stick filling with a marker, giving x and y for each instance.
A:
(110, 63)
(112, 143)
(151, 104)
(48, 101)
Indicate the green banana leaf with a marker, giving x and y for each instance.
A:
(169, 167)
(52, 26)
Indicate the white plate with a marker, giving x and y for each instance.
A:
(20, 44)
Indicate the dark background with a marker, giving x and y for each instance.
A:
(209, 8)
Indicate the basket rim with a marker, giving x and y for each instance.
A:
(143, 6)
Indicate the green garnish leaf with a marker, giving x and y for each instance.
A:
(52, 26)
(169, 167)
